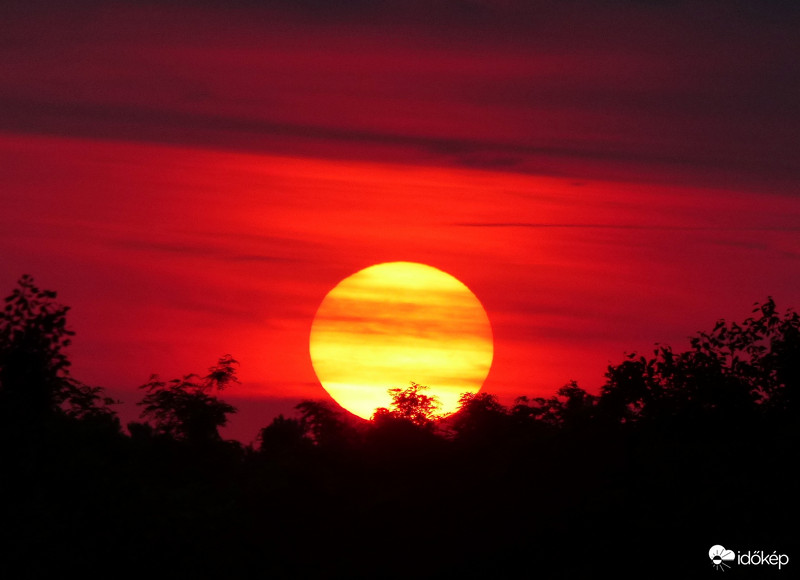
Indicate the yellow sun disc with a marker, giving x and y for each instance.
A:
(390, 324)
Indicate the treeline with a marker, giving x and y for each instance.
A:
(678, 451)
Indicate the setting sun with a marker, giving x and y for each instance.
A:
(394, 323)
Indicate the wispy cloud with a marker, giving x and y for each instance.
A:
(652, 227)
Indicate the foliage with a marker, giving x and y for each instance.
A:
(35, 382)
(571, 406)
(735, 368)
(283, 434)
(325, 424)
(410, 405)
(221, 375)
(763, 353)
(480, 416)
(185, 409)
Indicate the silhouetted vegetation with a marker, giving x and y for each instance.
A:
(677, 451)
(185, 409)
(35, 385)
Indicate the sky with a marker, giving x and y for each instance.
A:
(193, 178)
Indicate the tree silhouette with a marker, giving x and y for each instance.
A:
(407, 431)
(410, 405)
(185, 409)
(571, 406)
(480, 419)
(762, 353)
(327, 425)
(35, 383)
(736, 369)
(284, 435)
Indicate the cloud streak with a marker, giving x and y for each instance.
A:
(677, 91)
(531, 225)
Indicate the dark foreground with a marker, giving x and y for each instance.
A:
(634, 501)
(679, 452)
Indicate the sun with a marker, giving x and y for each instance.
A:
(397, 322)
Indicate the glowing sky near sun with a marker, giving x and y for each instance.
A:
(193, 180)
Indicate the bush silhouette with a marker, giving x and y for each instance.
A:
(185, 409)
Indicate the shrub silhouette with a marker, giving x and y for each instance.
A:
(185, 409)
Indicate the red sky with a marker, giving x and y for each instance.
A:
(193, 180)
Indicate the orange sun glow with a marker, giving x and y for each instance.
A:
(393, 323)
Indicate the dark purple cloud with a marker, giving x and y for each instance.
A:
(673, 89)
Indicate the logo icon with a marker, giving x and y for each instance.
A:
(719, 556)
